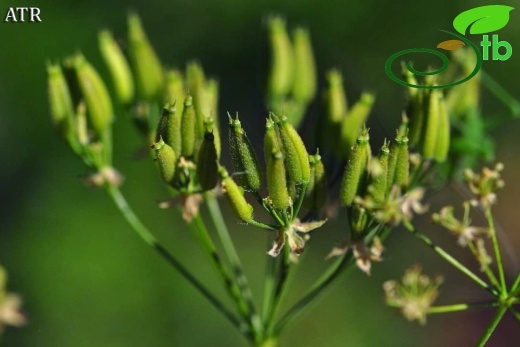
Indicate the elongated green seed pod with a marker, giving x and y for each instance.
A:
(355, 171)
(209, 124)
(402, 161)
(416, 112)
(118, 67)
(95, 94)
(354, 120)
(169, 127)
(212, 93)
(146, 65)
(197, 86)
(443, 134)
(335, 102)
(188, 128)
(276, 173)
(243, 156)
(175, 91)
(60, 100)
(316, 193)
(305, 80)
(236, 197)
(282, 63)
(337, 106)
(296, 157)
(167, 160)
(378, 185)
(207, 163)
(431, 125)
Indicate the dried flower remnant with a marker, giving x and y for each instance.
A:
(462, 229)
(414, 294)
(397, 207)
(292, 235)
(363, 254)
(10, 305)
(485, 185)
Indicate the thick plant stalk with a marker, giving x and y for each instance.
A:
(492, 326)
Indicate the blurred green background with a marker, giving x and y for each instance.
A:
(87, 280)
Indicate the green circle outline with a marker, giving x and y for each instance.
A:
(442, 56)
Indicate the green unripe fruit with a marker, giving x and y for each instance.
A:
(296, 158)
(118, 67)
(355, 172)
(207, 163)
(188, 128)
(236, 197)
(167, 160)
(243, 156)
(209, 124)
(354, 121)
(169, 127)
(147, 68)
(443, 134)
(316, 193)
(305, 80)
(399, 163)
(379, 183)
(60, 100)
(276, 181)
(431, 126)
(282, 61)
(95, 94)
(175, 91)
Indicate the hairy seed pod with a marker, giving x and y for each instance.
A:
(188, 128)
(355, 171)
(146, 65)
(335, 102)
(316, 193)
(296, 157)
(431, 125)
(354, 120)
(399, 162)
(209, 125)
(197, 86)
(443, 134)
(207, 163)
(378, 185)
(118, 67)
(167, 160)
(243, 156)
(337, 106)
(276, 182)
(305, 80)
(60, 100)
(236, 197)
(282, 63)
(95, 94)
(175, 91)
(276, 173)
(169, 127)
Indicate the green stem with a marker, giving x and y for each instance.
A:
(498, 255)
(487, 270)
(317, 290)
(503, 95)
(234, 259)
(516, 284)
(492, 326)
(261, 225)
(515, 313)
(446, 256)
(299, 201)
(199, 228)
(269, 285)
(279, 290)
(151, 241)
(460, 307)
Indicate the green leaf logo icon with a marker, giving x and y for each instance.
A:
(483, 19)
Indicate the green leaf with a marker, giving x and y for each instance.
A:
(483, 19)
